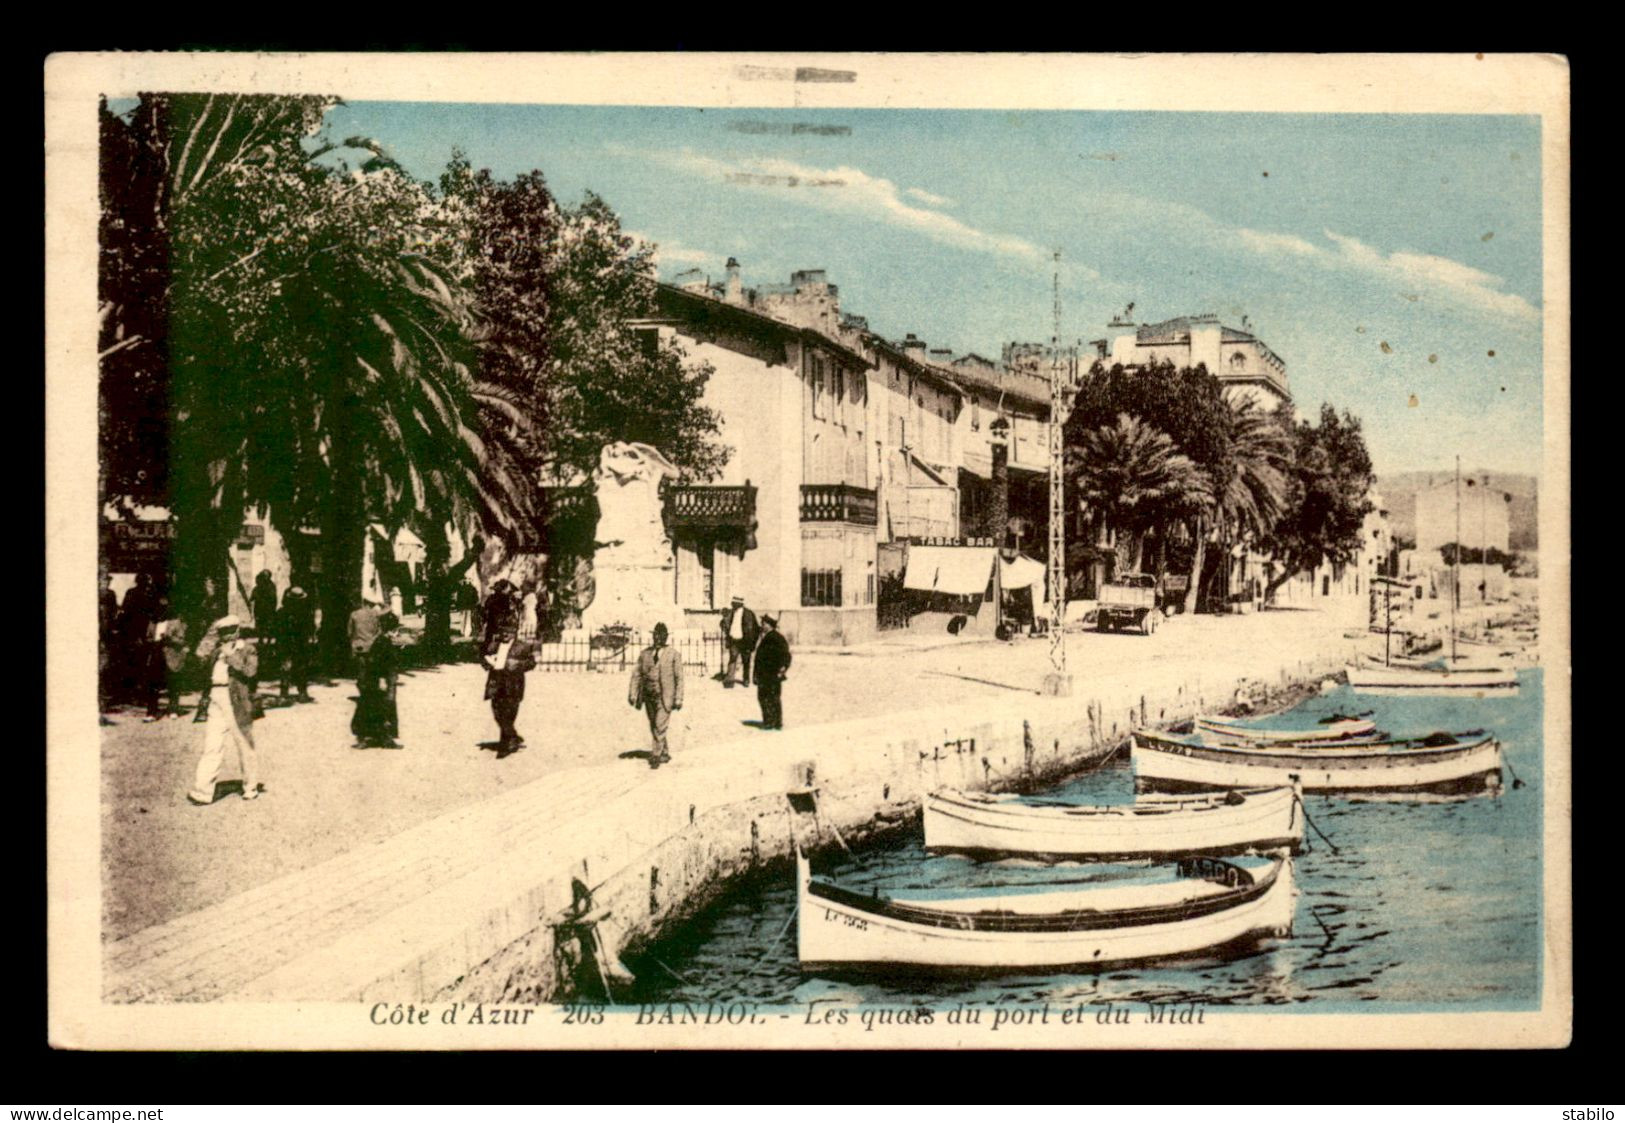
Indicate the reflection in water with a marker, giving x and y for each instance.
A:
(1432, 902)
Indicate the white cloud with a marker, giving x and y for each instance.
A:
(853, 191)
(1438, 276)
(924, 196)
(1415, 275)
(1263, 241)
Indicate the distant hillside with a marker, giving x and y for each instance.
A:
(1399, 495)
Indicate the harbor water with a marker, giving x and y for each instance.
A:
(1425, 903)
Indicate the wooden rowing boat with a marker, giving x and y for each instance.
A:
(1222, 730)
(1198, 905)
(984, 824)
(1440, 763)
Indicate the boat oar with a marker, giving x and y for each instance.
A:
(1311, 822)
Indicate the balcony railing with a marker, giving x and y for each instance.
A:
(700, 507)
(838, 503)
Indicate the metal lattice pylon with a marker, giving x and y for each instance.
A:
(1063, 369)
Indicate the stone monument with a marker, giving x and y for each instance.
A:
(633, 566)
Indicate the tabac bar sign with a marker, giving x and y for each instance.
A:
(131, 542)
(935, 541)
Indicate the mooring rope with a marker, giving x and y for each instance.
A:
(1311, 822)
(1516, 783)
(774, 943)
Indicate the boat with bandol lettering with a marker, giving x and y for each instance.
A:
(984, 824)
(1440, 763)
(1097, 916)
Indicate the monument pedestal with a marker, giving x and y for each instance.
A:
(1058, 684)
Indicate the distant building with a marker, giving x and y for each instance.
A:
(1485, 516)
(1240, 360)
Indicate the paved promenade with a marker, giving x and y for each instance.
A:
(211, 902)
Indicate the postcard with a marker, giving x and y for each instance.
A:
(1007, 551)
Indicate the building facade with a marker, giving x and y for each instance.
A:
(792, 524)
(1241, 361)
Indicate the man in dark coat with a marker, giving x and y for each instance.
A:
(505, 658)
(364, 627)
(262, 602)
(772, 667)
(137, 637)
(296, 627)
(740, 632)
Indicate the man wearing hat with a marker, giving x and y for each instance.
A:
(364, 627)
(231, 714)
(296, 626)
(657, 686)
(772, 668)
(739, 631)
(506, 658)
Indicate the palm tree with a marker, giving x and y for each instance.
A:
(1133, 479)
(1248, 482)
(317, 359)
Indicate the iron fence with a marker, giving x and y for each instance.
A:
(704, 654)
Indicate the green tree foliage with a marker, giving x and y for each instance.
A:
(292, 323)
(560, 291)
(1134, 479)
(1242, 452)
(1327, 497)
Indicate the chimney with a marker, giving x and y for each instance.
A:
(913, 346)
(734, 293)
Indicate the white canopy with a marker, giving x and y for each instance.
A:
(961, 571)
(1021, 573)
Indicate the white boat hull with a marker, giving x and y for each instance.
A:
(1450, 769)
(1155, 827)
(843, 935)
(1420, 680)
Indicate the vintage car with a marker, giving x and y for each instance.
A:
(1129, 600)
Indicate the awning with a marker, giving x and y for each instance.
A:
(935, 473)
(960, 571)
(981, 465)
(1021, 573)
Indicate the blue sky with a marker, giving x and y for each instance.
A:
(1394, 262)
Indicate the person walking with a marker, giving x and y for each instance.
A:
(212, 607)
(740, 632)
(657, 687)
(106, 628)
(235, 666)
(296, 627)
(506, 658)
(262, 602)
(172, 638)
(148, 665)
(772, 668)
(377, 721)
(364, 627)
(137, 626)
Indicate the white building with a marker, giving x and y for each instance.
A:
(1240, 360)
(1485, 516)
